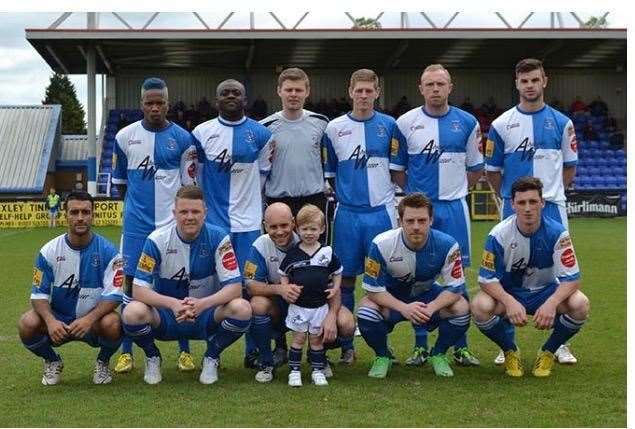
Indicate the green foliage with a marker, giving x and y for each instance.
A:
(62, 91)
(366, 24)
(596, 22)
(589, 394)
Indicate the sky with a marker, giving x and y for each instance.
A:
(24, 75)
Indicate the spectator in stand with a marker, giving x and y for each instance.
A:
(259, 108)
(401, 107)
(192, 115)
(467, 105)
(598, 107)
(555, 103)
(180, 119)
(578, 106)
(204, 107)
(180, 105)
(489, 107)
(588, 132)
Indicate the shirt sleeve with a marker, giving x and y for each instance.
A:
(284, 265)
(494, 151)
(266, 153)
(375, 274)
(120, 165)
(255, 266)
(189, 163)
(474, 157)
(226, 263)
(398, 150)
(330, 158)
(492, 262)
(148, 265)
(113, 277)
(335, 266)
(569, 145)
(565, 262)
(42, 278)
(451, 276)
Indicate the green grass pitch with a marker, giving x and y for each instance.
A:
(591, 393)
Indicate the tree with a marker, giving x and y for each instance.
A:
(62, 91)
(366, 24)
(595, 22)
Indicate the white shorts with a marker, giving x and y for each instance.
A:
(302, 319)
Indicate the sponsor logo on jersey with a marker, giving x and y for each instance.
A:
(359, 155)
(229, 261)
(250, 270)
(344, 133)
(563, 243)
(171, 251)
(457, 269)
(394, 147)
(417, 127)
(117, 280)
(133, 142)
(371, 267)
(274, 259)
(212, 137)
(146, 263)
(456, 255)
(37, 277)
(147, 165)
(396, 258)
(224, 161)
(489, 148)
(191, 170)
(572, 139)
(511, 126)
(488, 261)
(225, 247)
(60, 259)
(527, 149)
(568, 258)
(118, 264)
(432, 152)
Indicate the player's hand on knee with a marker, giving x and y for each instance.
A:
(545, 316)
(415, 312)
(57, 331)
(516, 313)
(80, 327)
(329, 329)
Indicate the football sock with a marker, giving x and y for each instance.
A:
(374, 330)
(226, 334)
(318, 359)
(40, 345)
(126, 344)
(450, 330)
(461, 343)
(184, 345)
(348, 298)
(250, 343)
(346, 343)
(421, 336)
(279, 338)
(260, 330)
(497, 330)
(295, 358)
(564, 328)
(142, 335)
(108, 348)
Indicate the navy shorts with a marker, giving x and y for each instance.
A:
(170, 330)
(532, 300)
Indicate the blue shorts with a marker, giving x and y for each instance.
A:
(241, 242)
(90, 338)
(453, 218)
(131, 248)
(354, 230)
(426, 297)
(533, 300)
(170, 330)
(552, 210)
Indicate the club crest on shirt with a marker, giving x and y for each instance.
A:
(171, 144)
(455, 126)
(250, 137)
(381, 131)
(94, 260)
(549, 124)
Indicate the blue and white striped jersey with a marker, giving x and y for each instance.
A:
(405, 273)
(357, 154)
(154, 165)
(436, 151)
(264, 260)
(178, 268)
(75, 280)
(233, 156)
(533, 262)
(534, 144)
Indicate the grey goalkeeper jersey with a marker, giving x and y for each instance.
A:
(297, 163)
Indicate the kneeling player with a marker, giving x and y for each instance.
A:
(413, 273)
(77, 282)
(529, 267)
(187, 285)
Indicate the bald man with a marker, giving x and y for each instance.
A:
(270, 299)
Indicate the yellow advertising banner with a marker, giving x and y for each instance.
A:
(30, 214)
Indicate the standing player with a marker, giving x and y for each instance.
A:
(234, 152)
(53, 204)
(436, 153)
(357, 147)
(187, 285)
(529, 267)
(533, 139)
(413, 273)
(77, 282)
(270, 299)
(310, 266)
(153, 158)
(296, 175)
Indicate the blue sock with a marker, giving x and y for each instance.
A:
(40, 345)
(374, 330)
(450, 330)
(226, 334)
(564, 328)
(142, 335)
(250, 344)
(421, 336)
(108, 348)
(461, 342)
(348, 298)
(497, 330)
(260, 330)
(317, 359)
(279, 338)
(346, 343)
(126, 344)
(184, 345)
(295, 358)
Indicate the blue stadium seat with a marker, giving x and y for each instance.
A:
(603, 163)
(593, 144)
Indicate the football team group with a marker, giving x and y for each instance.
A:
(194, 263)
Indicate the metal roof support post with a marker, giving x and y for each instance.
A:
(91, 107)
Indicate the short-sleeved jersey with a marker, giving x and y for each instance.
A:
(533, 262)
(264, 260)
(154, 165)
(297, 164)
(357, 154)
(405, 273)
(534, 144)
(312, 272)
(75, 280)
(232, 156)
(437, 151)
(178, 268)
